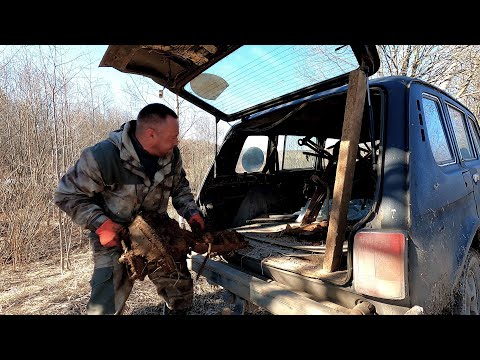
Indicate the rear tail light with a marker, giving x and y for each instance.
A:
(379, 264)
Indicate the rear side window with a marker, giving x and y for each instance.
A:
(476, 136)
(461, 134)
(253, 154)
(437, 135)
(292, 155)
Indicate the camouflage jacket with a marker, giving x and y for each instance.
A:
(108, 181)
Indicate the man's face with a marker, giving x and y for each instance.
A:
(164, 137)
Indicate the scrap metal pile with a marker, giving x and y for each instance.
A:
(157, 243)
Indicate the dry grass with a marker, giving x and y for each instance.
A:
(40, 289)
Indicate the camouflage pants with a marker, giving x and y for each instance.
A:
(111, 286)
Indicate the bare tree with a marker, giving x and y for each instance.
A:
(46, 125)
(452, 68)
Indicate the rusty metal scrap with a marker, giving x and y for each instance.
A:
(156, 242)
(307, 230)
(223, 242)
(195, 53)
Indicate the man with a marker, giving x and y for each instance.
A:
(137, 168)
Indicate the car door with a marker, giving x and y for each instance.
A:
(442, 197)
(465, 128)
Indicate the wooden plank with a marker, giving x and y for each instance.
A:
(264, 227)
(272, 219)
(345, 169)
(278, 241)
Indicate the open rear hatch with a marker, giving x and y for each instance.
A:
(231, 81)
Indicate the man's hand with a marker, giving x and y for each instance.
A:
(196, 222)
(108, 233)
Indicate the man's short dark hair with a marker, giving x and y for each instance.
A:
(153, 113)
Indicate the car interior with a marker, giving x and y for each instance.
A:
(278, 192)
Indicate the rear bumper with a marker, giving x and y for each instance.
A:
(271, 295)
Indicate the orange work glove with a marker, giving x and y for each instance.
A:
(108, 233)
(196, 221)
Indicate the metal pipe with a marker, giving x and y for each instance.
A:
(372, 127)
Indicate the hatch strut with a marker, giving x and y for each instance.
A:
(372, 127)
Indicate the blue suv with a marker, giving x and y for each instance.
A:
(356, 195)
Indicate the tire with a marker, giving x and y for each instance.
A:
(467, 296)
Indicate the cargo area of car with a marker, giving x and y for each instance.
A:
(268, 207)
(286, 246)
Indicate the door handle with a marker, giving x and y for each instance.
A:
(476, 177)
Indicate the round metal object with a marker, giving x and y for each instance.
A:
(252, 159)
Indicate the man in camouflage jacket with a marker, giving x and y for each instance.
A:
(137, 168)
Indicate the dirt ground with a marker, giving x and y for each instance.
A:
(41, 289)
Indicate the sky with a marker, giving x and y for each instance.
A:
(114, 77)
(91, 55)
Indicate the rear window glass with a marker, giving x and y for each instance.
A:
(253, 155)
(461, 134)
(294, 156)
(476, 136)
(254, 74)
(437, 137)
